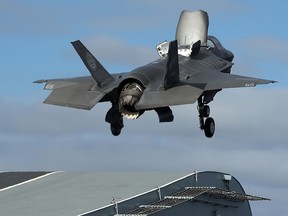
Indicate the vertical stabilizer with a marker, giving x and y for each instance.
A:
(98, 72)
(172, 67)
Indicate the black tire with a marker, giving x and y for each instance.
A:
(116, 129)
(209, 127)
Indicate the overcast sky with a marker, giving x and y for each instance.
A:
(250, 141)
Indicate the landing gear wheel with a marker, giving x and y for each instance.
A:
(116, 129)
(208, 124)
(115, 119)
(209, 127)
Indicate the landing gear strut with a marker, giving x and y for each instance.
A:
(115, 118)
(207, 125)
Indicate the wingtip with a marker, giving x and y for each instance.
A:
(76, 41)
(40, 81)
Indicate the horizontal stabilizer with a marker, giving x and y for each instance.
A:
(172, 67)
(183, 94)
(98, 72)
(74, 97)
(74, 92)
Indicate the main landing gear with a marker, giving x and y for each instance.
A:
(208, 124)
(115, 118)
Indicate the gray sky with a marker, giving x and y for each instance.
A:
(250, 141)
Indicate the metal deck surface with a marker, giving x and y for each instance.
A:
(9, 179)
(74, 193)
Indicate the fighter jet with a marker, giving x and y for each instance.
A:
(192, 68)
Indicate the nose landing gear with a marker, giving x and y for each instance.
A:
(208, 124)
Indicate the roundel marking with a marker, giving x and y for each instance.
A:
(91, 61)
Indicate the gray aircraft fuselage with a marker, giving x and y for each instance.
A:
(192, 68)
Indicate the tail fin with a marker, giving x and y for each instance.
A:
(172, 67)
(98, 72)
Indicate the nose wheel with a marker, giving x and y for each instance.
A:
(206, 123)
(209, 127)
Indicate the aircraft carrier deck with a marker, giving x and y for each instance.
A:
(122, 193)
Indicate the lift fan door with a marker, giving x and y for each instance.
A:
(192, 27)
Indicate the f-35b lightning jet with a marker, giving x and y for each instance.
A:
(194, 67)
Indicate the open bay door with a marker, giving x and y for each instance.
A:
(192, 28)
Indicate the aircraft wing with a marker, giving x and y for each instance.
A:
(78, 92)
(212, 80)
(189, 92)
(176, 90)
